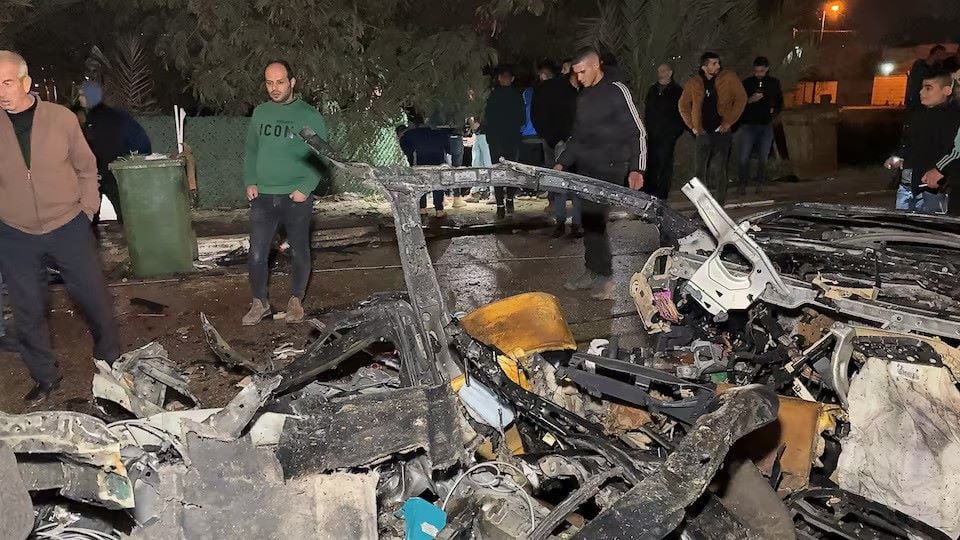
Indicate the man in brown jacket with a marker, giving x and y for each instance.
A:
(48, 195)
(711, 104)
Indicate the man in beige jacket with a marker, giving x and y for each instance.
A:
(48, 195)
(711, 104)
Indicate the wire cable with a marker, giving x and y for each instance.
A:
(499, 477)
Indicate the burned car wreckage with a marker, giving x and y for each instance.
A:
(801, 383)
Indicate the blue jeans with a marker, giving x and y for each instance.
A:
(926, 202)
(560, 208)
(761, 138)
(481, 152)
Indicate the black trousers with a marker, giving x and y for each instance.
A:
(510, 151)
(596, 245)
(713, 152)
(109, 187)
(72, 250)
(267, 212)
(659, 177)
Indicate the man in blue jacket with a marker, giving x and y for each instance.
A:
(111, 133)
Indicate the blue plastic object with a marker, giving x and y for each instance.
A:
(424, 520)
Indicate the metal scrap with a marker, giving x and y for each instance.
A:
(139, 381)
(16, 519)
(663, 496)
(227, 354)
(362, 430)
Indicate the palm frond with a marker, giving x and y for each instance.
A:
(131, 83)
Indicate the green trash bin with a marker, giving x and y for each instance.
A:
(156, 215)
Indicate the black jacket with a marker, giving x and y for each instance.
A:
(607, 129)
(928, 136)
(112, 133)
(553, 108)
(504, 116)
(662, 111)
(762, 112)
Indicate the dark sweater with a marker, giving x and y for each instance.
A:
(711, 101)
(554, 106)
(607, 129)
(425, 146)
(762, 112)
(928, 136)
(504, 116)
(113, 133)
(23, 126)
(662, 113)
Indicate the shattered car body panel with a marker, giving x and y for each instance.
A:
(521, 325)
(717, 289)
(913, 260)
(72, 452)
(227, 354)
(140, 380)
(822, 511)
(362, 431)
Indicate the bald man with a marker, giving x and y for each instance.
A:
(609, 142)
(48, 197)
(281, 174)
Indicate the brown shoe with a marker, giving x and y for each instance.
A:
(294, 311)
(259, 311)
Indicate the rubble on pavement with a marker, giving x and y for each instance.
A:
(801, 384)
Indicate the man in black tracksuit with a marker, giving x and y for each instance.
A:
(664, 127)
(608, 143)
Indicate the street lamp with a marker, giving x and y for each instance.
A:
(834, 8)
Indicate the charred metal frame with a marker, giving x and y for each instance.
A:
(345, 334)
(405, 186)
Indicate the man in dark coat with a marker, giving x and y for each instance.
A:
(111, 133)
(504, 117)
(664, 127)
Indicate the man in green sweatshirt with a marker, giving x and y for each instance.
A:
(280, 173)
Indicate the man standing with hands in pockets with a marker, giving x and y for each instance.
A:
(280, 173)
